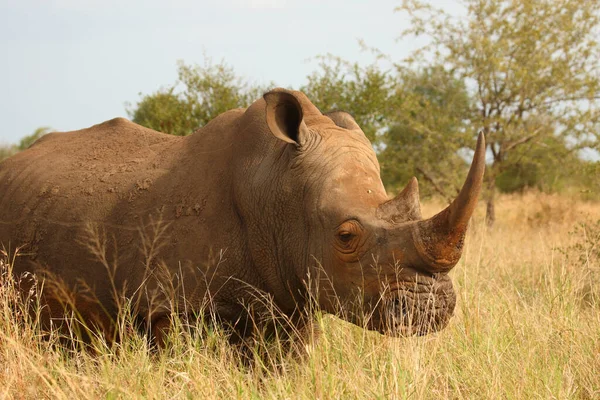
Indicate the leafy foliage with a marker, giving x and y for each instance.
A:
(368, 93)
(588, 173)
(207, 91)
(29, 140)
(430, 131)
(534, 166)
(164, 111)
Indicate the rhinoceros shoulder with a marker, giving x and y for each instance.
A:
(123, 128)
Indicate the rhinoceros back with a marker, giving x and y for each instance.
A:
(51, 193)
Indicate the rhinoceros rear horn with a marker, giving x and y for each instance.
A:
(404, 207)
(285, 117)
(439, 239)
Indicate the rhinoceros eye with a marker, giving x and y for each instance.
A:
(348, 235)
(345, 236)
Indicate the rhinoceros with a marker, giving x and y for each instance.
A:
(276, 201)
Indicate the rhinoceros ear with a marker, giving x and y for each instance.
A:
(285, 117)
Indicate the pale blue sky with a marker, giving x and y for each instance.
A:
(69, 64)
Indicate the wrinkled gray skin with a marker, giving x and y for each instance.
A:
(277, 200)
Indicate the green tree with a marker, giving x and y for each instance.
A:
(199, 95)
(30, 139)
(588, 174)
(533, 67)
(164, 111)
(368, 93)
(534, 166)
(429, 132)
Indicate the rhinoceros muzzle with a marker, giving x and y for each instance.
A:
(416, 308)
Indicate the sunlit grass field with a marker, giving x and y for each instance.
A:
(526, 326)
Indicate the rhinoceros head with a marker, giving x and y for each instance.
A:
(371, 259)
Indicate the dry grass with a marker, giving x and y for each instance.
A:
(527, 325)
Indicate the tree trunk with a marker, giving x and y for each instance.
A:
(490, 210)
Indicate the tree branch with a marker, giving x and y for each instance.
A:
(522, 140)
(561, 100)
(437, 188)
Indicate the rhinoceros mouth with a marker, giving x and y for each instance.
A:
(416, 307)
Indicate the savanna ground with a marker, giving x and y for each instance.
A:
(526, 325)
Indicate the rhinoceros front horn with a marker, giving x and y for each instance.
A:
(439, 239)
